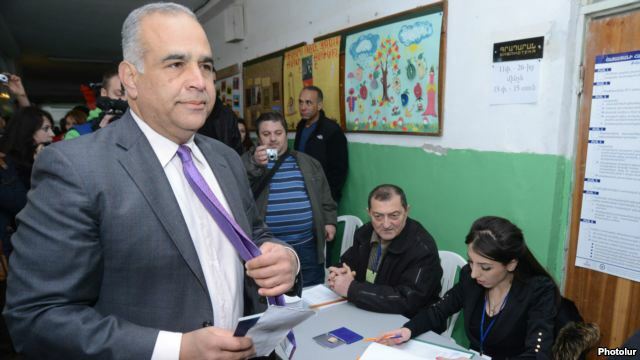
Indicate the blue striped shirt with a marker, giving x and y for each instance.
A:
(288, 208)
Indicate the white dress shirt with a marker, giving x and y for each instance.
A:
(221, 264)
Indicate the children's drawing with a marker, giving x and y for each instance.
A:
(391, 77)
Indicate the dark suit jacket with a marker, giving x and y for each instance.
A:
(222, 125)
(530, 310)
(103, 259)
(328, 145)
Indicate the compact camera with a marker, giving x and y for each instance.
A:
(272, 154)
(4, 82)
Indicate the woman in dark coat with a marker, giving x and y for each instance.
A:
(508, 299)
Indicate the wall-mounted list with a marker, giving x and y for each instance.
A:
(609, 237)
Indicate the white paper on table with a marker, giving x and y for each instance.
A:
(377, 351)
(291, 299)
(427, 350)
(319, 294)
(273, 326)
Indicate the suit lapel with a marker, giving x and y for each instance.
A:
(141, 164)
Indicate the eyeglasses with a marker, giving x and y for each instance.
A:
(45, 128)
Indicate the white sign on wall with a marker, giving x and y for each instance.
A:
(609, 237)
(515, 82)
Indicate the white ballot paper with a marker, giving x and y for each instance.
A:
(273, 326)
(320, 295)
(377, 351)
(411, 350)
(427, 350)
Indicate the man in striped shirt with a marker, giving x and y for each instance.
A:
(293, 195)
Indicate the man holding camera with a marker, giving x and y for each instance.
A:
(112, 97)
(292, 195)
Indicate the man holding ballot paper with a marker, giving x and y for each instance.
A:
(156, 249)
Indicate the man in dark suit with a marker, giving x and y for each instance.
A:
(322, 139)
(116, 257)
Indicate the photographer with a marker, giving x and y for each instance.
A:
(111, 105)
(14, 84)
(292, 195)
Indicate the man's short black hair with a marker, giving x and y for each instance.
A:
(384, 192)
(270, 116)
(107, 76)
(317, 90)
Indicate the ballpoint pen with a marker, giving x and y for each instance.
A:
(397, 336)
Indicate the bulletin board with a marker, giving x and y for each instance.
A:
(262, 84)
(229, 88)
(315, 64)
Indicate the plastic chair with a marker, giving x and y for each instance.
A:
(450, 263)
(351, 224)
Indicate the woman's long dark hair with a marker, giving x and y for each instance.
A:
(500, 240)
(17, 142)
(247, 143)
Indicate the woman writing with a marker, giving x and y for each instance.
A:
(508, 300)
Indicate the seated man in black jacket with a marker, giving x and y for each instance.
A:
(393, 265)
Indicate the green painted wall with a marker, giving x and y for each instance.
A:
(448, 192)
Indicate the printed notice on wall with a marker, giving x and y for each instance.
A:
(515, 71)
(609, 237)
(515, 82)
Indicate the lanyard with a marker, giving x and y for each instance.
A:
(376, 260)
(483, 334)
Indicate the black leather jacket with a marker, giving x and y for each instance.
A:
(409, 275)
(328, 145)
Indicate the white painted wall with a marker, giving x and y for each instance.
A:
(473, 26)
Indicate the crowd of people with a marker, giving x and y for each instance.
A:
(173, 224)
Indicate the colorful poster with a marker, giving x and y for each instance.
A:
(316, 64)
(391, 77)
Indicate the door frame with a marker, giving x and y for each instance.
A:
(587, 11)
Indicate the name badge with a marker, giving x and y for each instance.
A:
(371, 276)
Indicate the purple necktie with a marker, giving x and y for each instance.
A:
(240, 241)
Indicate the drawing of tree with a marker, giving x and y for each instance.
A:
(385, 59)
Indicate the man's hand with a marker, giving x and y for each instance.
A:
(340, 279)
(17, 89)
(215, 343)
(38, 150)
(106, 120)
(260, 155)
(274, 271)
(329, 232)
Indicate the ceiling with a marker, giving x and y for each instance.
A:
(57, 45)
